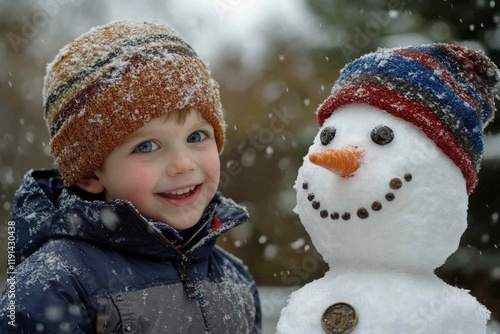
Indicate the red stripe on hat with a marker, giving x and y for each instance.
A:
(397, 105)
(430, 62)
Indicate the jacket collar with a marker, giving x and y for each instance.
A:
(44, 209)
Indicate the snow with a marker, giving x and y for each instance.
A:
(109, 218)
(39, 269)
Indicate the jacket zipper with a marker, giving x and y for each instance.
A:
(181, 266)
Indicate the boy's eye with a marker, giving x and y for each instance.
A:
(196, 137)
(146, 147)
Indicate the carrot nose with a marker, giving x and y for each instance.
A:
(343, 162)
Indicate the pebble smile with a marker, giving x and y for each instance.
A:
(362, 212)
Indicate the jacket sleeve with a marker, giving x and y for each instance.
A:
(258, 312)
(44, 296)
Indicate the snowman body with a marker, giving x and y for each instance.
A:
(385, 302)
(382, 229)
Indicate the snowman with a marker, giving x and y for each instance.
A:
(383, 193)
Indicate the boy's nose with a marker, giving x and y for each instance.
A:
(181, 163)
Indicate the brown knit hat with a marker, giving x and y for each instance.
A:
(111, 81)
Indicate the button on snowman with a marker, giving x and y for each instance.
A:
(383, 193)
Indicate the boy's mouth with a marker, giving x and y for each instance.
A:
(183, 196)
(180, 193)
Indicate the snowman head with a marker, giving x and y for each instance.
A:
(374, 190)
(445, 90)
(397, 153)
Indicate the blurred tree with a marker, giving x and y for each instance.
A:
(24, 52)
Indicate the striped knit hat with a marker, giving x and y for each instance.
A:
(111, 81)
(445, 90)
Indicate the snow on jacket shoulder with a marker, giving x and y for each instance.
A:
(100, 267)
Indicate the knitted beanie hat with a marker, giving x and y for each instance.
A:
(111, 81)
(445, 90)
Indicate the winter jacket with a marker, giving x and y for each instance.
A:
(90, 266)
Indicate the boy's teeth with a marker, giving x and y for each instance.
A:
(182, 191)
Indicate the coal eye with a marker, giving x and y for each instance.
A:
(382, 135)
(327, 135)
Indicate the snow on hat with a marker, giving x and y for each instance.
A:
(112, 80)
(445, 90)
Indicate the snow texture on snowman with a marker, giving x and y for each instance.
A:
(383, 192)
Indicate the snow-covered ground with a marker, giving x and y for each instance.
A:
(273, 299)
(493, 328)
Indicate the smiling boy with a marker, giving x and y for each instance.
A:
(121, 238)
(169, 170)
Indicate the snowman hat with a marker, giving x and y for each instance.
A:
(445, 90)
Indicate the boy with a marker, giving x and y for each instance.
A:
(123, 239)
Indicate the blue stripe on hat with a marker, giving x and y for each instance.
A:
(464, 84)
(411, 70)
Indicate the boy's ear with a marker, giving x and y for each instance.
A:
(92, 185)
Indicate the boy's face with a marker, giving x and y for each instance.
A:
(168, 170)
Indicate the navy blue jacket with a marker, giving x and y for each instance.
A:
(90, 266)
